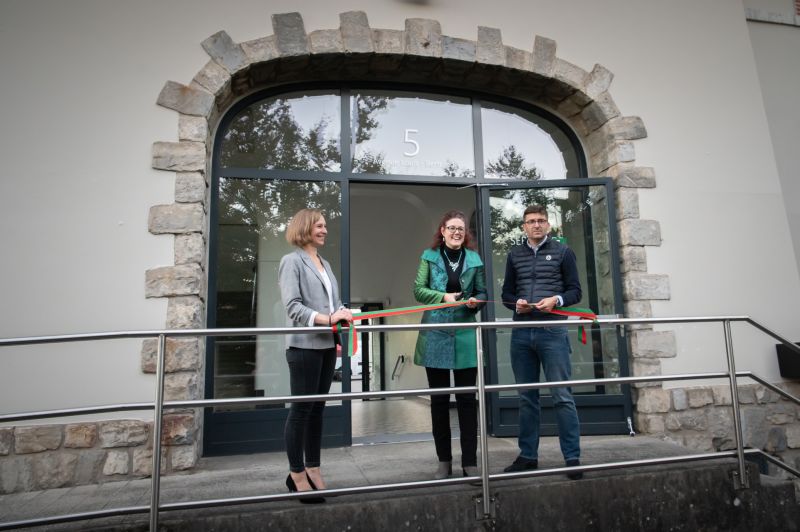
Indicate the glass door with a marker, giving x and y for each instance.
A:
(580, 214)
(252, 215)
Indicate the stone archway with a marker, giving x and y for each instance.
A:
(419, 53)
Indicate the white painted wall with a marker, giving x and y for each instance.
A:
(79, 81)
(721, 207)
(777, 52)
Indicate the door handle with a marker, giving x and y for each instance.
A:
(401, 359)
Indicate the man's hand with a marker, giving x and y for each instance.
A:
(472, 303)
(546, 304)
(523, 307)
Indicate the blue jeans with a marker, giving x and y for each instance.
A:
(548, 348)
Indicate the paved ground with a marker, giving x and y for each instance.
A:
(261, 474)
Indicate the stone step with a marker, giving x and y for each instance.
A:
(695, 496)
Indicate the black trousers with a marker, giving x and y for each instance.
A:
(310, 372)
(467, 407)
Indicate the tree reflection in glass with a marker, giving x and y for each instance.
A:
(513, 136)
(512, 165)
(285, 133)
(365, 108)
(265, 207)
(412, 134)
(250, 242)
(506, 218)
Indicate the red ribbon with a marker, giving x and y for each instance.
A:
(578, 312)
(352, 341)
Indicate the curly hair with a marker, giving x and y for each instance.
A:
(438, 239)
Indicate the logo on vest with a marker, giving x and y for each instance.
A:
(549, 257)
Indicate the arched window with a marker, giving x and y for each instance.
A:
(517, 144)
(334, 148)
(280, 153)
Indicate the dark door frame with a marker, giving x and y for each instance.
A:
(599, 414)
(365, 368)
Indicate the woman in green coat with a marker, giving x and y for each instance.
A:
(450, 271)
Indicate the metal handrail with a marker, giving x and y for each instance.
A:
(411, 392)
(257, 331)
(253, 401)
(159, 405)
(792, 346)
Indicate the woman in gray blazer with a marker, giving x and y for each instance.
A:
(311, 296)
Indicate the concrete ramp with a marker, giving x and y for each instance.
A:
(690, 497)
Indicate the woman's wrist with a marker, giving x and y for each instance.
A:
(330, 320)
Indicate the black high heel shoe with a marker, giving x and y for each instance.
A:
(314, 487)
(306, 500)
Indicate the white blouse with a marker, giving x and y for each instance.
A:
(326, 281)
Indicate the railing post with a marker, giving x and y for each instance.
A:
(743, 480)
(157, 416)
(482, 424)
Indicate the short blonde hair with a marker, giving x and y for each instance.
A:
(298, 233)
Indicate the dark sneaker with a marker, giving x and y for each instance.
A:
(522, 464)
(574, 475)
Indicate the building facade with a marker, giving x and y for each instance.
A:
(173, 142)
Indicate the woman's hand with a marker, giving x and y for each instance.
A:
(342, 314)
(452, 297)
(472, 303)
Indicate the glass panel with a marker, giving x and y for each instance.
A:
(579, 217)
(412, 134)
(522, 145)
(252, 222)
(375, 368)
(291, 132)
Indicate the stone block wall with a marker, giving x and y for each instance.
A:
(701, 418)
(55, 456)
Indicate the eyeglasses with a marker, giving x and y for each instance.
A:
(456, 229)
(536, 222)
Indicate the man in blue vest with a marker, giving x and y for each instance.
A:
(542, 274)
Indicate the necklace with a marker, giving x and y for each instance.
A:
(453, 265)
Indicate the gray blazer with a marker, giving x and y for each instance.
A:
(302, 293)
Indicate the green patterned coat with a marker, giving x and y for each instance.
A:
(451, 349)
